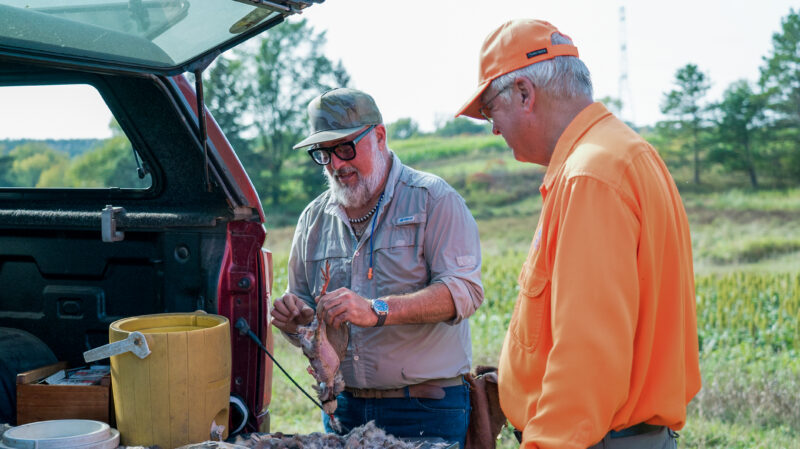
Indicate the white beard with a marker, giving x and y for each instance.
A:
(365, 187)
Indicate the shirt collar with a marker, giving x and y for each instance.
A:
(576, 129)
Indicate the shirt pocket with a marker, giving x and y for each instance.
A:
(399, 263)
(399, 236)
(404, 231)
(531, 310)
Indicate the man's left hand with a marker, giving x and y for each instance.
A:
(344, 305)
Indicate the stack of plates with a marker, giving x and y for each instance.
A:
(61, 434)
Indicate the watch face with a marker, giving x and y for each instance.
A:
(380, 306)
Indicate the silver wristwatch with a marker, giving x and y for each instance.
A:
(381, 308)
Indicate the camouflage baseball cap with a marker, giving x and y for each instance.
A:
(338, 113)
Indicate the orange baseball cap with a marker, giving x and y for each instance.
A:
(515, 44)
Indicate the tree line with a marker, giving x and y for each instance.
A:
(84, 163)
(753, 130)
(258, 94)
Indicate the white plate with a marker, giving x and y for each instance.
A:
(61, 434)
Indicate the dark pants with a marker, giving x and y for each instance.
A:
(445, 418)
(660, 439)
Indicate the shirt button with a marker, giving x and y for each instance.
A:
(355, 357)
(356, 253)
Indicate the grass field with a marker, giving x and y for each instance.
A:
(746, 257)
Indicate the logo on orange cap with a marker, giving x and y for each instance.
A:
(513, 45)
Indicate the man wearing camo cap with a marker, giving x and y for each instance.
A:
(405, 267)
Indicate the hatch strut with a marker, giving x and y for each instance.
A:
(198, 68)
(201, 119)
(140, 170)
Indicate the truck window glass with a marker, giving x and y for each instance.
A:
(64, 136)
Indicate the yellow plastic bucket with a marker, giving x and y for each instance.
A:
(179, 394)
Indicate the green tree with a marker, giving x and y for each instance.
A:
(272, 80)
(225, 97)
(6, 162)
(741, 112)
(670, 144)
(30, 160)
(402, 128)
(684, 105)
(54, 176)
(780, 74)
(780, 81)
(110, 164)
(462, 125)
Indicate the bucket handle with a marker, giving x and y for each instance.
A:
(135, 343)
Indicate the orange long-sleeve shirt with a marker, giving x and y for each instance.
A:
(603, 334)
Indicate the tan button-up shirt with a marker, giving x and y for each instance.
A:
(423, 234)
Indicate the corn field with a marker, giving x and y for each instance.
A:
(762, 310)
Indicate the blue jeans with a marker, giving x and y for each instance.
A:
(445, 418)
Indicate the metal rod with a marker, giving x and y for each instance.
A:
(201, 118)
(244, 329)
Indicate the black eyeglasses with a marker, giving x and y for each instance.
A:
(345, 151)
(484, 111)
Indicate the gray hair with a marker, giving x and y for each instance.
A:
(561, 77)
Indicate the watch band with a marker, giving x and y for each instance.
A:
(381, 309)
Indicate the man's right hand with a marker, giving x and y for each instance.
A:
(289, 311)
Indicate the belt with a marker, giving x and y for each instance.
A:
(637, 429)
(430, 389)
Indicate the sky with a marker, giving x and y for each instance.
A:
(419, 59)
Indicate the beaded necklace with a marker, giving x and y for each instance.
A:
(365, 217)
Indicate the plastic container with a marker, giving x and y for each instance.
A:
(61, 434)
(179, 394)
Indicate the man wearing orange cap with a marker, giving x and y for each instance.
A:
(602, 347)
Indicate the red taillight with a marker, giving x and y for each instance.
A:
(244, 285)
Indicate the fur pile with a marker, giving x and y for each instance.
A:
(368, 436)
